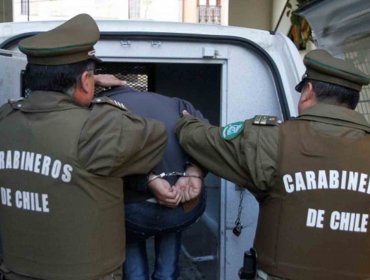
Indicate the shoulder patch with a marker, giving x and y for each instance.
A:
(107, 100)
(265, 120)
(232, 130)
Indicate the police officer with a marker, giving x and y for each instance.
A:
(62, 156)
(310, 175)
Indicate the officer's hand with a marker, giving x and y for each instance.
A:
(164, 193)
(190, 187)
(108, 80)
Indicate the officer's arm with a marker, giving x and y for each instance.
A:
(203, 143)
(142, 145)
(248, 159)
(118, 143)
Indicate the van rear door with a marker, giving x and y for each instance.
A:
(11, 66)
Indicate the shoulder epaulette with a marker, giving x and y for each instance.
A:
(107, 100)
(265, 120)
(12, 100)
(16, 103)
(10, 107)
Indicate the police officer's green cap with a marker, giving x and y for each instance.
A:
(322, 66)
(71, 42)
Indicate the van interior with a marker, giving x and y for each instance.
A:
(201, 85)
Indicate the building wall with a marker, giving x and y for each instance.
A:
(65, 9)
(164, 10)
(225, 12)
(6, 10)
(260, 14)
(190, 11)
(251, 13)
(277, 9)
(161, 10)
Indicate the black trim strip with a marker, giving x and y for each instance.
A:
(15, 39)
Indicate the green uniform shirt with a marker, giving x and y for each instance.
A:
(60, 178)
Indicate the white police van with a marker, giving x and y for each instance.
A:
(229, 73)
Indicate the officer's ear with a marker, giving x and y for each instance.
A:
(84, 89)
(308, 97)
(308, 93)
(87, 82)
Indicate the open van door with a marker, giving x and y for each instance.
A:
(345, 34)
(11, 66)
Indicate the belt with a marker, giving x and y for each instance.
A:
(261, 275)
(152, 200)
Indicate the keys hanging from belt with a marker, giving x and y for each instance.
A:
(237, 230)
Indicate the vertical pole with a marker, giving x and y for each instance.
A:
(28, 10)
(281, 16)
(183, 10)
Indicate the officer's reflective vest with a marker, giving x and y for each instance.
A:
(58, 221)
(315, 223)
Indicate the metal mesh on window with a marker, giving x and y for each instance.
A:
(137, 81)
(136, 76)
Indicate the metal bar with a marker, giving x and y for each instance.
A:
(198, 258)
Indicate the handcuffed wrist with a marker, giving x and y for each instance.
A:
(153, 177)
(193, 176)
(191, 164)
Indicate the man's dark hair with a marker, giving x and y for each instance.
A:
(335, 94)
(60, 78)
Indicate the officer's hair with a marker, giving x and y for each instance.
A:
(335, 94)
(61, 78)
